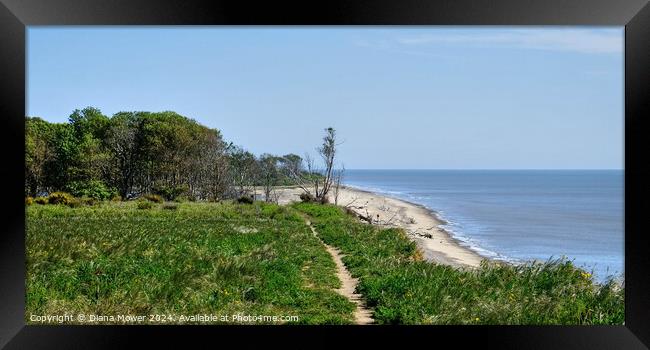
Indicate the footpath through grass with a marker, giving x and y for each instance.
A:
(404, 290)
(187, 259)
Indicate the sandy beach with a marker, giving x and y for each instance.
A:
(420, 223)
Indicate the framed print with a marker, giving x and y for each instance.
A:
(292, 172)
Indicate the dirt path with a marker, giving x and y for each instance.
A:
(362, 315)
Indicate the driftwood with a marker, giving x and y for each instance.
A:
(425, 235)
(366, 217)
(391, 219)
(352, 201)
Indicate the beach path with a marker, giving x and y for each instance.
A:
(421, 224)
(362, 315)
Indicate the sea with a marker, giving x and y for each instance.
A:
(519, 215)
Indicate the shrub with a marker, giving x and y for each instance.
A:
(88, 201)
(93, 188)
(170, 206)
(74, 203)
(60, 198)
(116, 198)
(153, 198)
(41, 200)
(29, 200)
(245, 200)
(307, 197)
(182, 198)
(145, 205)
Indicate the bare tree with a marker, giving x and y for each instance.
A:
(268, 175)
(327, 151)
(320, 180)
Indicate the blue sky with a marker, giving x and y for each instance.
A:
(400, 97)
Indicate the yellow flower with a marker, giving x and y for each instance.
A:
(477, 319)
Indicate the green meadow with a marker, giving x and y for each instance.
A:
(226, 258)
(222, 259)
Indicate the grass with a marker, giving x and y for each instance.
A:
(199, 258)
(402, 289)
(261, 259)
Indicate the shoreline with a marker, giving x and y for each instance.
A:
(441, 221)
(421, 224)
(422, 243)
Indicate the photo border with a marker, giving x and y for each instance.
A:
(15, 15)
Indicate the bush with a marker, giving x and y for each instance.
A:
(183, 198)
(145, 205)
(245, 200)
(307, 197)
(116, 198)
(93, 188)
(153, 198)
(88, 201)
(170, 206)
(60, 198)
(29, 200)
(41, 200)
(74, 203)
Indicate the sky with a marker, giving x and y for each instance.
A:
(422, 97)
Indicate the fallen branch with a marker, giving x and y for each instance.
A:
(352, 201)
(391, 219)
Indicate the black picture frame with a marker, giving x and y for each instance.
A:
(15, 15)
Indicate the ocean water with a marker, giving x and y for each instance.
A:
(519, 215)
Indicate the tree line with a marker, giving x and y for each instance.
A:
(135, 153)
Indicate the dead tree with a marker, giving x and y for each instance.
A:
(320, 180)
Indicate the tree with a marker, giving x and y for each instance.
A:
(65, 148)
(291, 163)
(38, 153)
(135, 153)
(243, 166)
(124, 140)
(327, 152)
(269, 175)
(209, 166)
(322, 183)
(91, 121)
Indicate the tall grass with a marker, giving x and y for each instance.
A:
(404, 290)
(225, 259)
